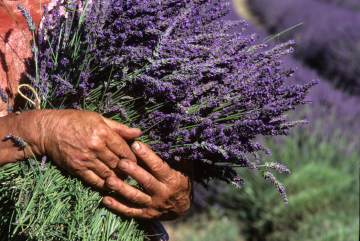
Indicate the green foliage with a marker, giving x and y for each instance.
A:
(324, 178)
(47, 210)
(315, 189)
(212, 226)
(330, 225)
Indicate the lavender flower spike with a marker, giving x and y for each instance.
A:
(277, 166)
(43, 163)
(3, 95)
(29, 19)
(272, 179)
(16, 139)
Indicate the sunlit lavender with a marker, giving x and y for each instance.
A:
(197, 91)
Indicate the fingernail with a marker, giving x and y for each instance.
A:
(112, 182)
(124, 165)
(135, 146)
(107, 202)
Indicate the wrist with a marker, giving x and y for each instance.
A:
(31, 127)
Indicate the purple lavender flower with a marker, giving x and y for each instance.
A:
(238, 182)
(272, 179)
(28, 18)
(43, 163)
(277, 167)
(16, 139)
(3, 95)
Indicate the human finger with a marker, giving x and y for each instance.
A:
(119, 147)
(93, 179)
(127, 191)
(144, 178)
(122, 208)
(101, 169)
(122, 130)
(109, 158)
(160, 169)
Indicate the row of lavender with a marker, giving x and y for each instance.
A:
(328, 40)
(350, 4)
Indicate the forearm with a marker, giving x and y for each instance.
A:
(26, 125)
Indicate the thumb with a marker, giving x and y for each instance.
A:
(122, 130)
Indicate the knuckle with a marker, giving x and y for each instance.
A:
(157, 166)
(113, 162)
(105, 172)
(95, 144)
(144, 153)
(119, 187)
(124, 151)
(136, 197)
(175, 182)
(128, 211)
(102, 131)
(148, 182)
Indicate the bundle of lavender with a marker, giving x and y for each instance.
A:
(167, 67)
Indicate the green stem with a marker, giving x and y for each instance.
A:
(106, 87)
(17, 23)
(40, 11)
(36, 60)
(30, 150)
(271, 37)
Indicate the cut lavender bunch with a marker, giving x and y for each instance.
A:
(196, 94)
(173, 69)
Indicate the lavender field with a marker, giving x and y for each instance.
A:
(323, 156)
(328, 40)
(349, 4)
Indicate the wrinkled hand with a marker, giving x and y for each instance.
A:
(86, 144)
(168, 193)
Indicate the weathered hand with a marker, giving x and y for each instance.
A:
(168, 192)
(86, 144)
